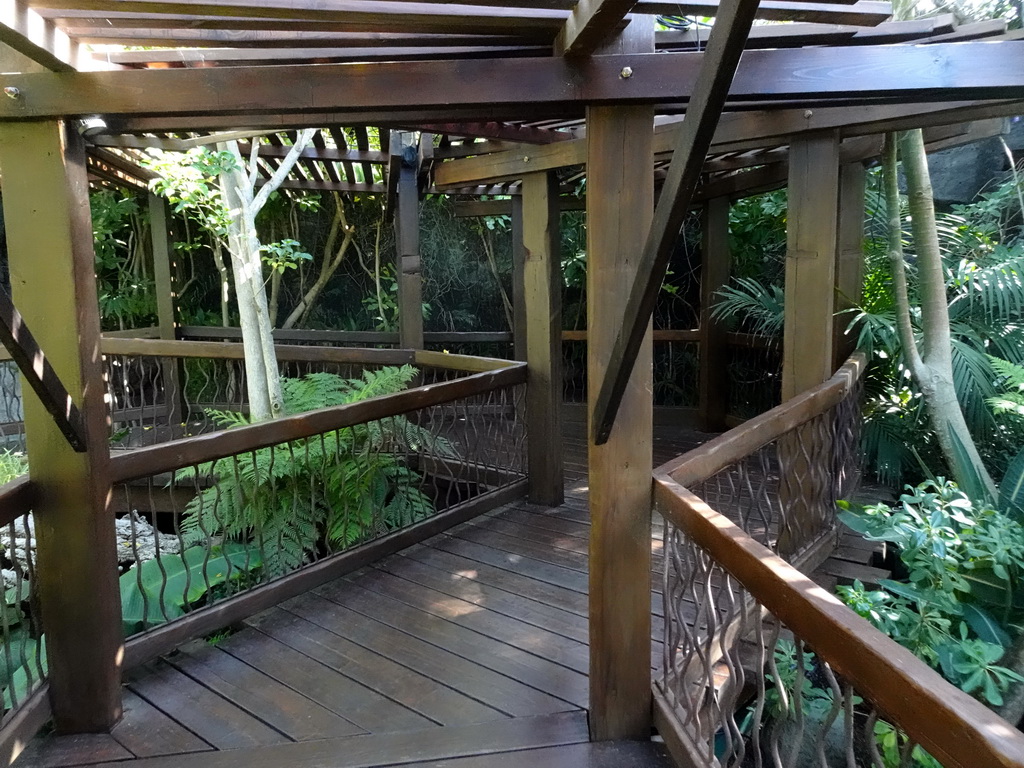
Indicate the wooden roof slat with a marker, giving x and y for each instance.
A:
(39, 39)
(363, 143)
(590, 24)
(281, 55)
(330, 167)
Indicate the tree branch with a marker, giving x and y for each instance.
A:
(275, 181)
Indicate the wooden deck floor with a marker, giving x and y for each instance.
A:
(463, 651)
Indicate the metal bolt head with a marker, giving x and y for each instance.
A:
(11, 92)
(808, 114)
(626, 73)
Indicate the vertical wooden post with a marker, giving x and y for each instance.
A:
(849, 258)
(714, 355)
(542, 293)
(810, 262)
(49, 239)
(620, 206)
(407, 242)
(166, 300)
(518, 288)
(807, 343)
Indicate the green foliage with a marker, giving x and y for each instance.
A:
(284, 255)
(125, 287)
(325, 492)
(751, 306)
(961, 600)
(13, 464)
(189, 182)
(757, 237)
(166, 587)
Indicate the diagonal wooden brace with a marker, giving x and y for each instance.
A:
(722, 57)
(39, 374)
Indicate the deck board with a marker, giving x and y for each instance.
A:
(467, 645)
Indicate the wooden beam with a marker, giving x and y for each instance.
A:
(619, 207)
(590, 24)
(719, 65)
(39, 374)
(52, 265)
(542, 289)
(716, 262)
(971, 70)
(22, 28)
(407, 242)
(810, 262)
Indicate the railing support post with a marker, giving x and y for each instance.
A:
(49, 239)
(714, 354)
(542, 292)
(620, 206)
(407, 241)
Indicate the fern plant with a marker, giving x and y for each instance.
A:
(323, 493)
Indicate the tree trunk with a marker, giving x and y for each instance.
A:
(263, 380)
(931, 366)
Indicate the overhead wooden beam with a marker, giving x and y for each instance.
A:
(971, 70)
(590, 24)
(725, 45)
(24, 30)
(524, 134)
(735, 132)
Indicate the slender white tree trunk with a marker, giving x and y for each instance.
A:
(263, 380)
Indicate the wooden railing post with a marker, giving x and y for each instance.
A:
(807, 345)
(620, 206)
(849, 258)
(49, 239)
(407, 240)
(714, 353)
(542, 291)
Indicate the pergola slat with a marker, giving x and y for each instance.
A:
(590, 24)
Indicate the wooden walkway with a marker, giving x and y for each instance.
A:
(462, 651)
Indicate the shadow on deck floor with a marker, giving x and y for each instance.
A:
(462, 651)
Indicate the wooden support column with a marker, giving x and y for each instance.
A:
(518, 288)
(807, 342)
(849, 258)
(620, 206)
(407, 240)
(166, 301)
(49, 241)
(810, 262)
(716, 262)
(542, 293)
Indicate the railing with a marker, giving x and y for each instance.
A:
(763, 667)
(221, 524)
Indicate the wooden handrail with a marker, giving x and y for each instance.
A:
(957, 729)
(166, 457)
(223, 350)
(16, 498)
(736, 444)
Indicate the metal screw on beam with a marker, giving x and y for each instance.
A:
(626, 73)
(808, 114)
(11, 92)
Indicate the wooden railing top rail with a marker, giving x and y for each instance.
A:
(225, 350)
(736, 444)
(16, 498)
(166, 457)
(957, 729)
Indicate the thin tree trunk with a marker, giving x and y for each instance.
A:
(931, 366)
(225, 284)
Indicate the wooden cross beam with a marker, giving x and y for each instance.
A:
(40, 40)
(39, 374)
(590, 24)
(524, 87)
(725, 45)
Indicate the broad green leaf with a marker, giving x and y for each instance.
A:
(971, 483)
(985, 626)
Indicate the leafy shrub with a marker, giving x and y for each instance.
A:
(961, 599)
(324, 492)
